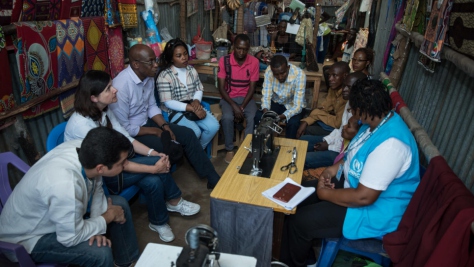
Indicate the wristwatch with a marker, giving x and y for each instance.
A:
(162, 127)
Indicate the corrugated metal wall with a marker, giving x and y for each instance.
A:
(442, 102)
(384, 26)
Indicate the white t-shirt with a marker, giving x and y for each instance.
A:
(389, 161)
(78, 126)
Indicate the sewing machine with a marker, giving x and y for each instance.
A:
(201, 250)
(263, 149)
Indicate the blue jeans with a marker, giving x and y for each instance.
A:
(292, 124)
(122, 236)
(197, 157)
(316, 159)
(157, 189)
(204, 129)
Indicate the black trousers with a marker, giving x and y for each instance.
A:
(313, 219)
(197, 157)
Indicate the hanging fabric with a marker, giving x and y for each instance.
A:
(70, 47)
(95, 48)
(115, 50)
(33, 10)
(436, 30)
(92, 8)
(70, 9)
(460, 20)
(112, 16)
(7, 100)
(36, 54)
(128, 13)
(6, 8)
(306, 28)
(209, 5)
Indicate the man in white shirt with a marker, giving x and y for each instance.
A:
(323, 150)
(59, 213)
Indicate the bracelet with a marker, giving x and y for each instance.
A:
(149, 152)
(163, 126)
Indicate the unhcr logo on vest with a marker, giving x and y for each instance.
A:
(356, 168)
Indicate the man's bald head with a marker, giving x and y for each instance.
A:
(143, 61)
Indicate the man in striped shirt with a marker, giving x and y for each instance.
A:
(283, 91)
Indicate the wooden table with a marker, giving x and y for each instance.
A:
(241, 188)
(211, 68)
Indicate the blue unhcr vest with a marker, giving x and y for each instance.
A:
(384, 215)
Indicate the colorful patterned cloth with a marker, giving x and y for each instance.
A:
(436, 30)
(116, 50)
(16, 10)
(6, 7)
(37, 62)
(70, 53)
(112, 16)
(128, 13)
(7, 101)
(97, 57)
(461, 24)
(34, 10)
(70, 9)
(92, 8)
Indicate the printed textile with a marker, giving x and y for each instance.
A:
(461, 23)
(410, 15)
(128, 13)
(92, 8)
(70, 46)
(95, 44)
(115, 50)
(36, 54)
(112, 16)
(7, 101)
(70, 9)
(34, 10)
(6, 8)
(436, 30)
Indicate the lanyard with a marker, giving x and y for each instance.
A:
(89, 203)
(355, 142)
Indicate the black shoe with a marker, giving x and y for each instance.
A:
(209, 186)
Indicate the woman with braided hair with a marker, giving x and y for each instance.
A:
(381, 170)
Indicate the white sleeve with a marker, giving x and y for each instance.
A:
(332, 137)
(388, 161)
(198, 95)
(176, 105)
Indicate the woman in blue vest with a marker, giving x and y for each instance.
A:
(381, 171)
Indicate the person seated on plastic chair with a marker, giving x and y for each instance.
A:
(59, 213)
(150, 173)
(181, 91)
(136, 110)
(381, 170)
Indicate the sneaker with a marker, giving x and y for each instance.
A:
(184, 207)
(229, 156)
(164, 231)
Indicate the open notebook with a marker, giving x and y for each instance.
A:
(300, 196)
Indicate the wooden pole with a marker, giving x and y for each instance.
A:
(240, 19)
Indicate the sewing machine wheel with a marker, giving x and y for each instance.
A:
(271, 114)
(207, 235)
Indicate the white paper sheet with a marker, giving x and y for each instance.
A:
(292, 28)
(300, 196)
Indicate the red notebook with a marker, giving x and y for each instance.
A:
(287, 192)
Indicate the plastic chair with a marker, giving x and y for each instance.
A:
(56, 137)
(371, 248)
(14, 250)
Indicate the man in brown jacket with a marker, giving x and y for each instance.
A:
(328, 116)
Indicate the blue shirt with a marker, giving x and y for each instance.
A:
(135, 100)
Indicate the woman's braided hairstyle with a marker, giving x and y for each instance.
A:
(370, 97)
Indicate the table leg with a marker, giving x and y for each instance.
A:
(317, 84)
(278, 220)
